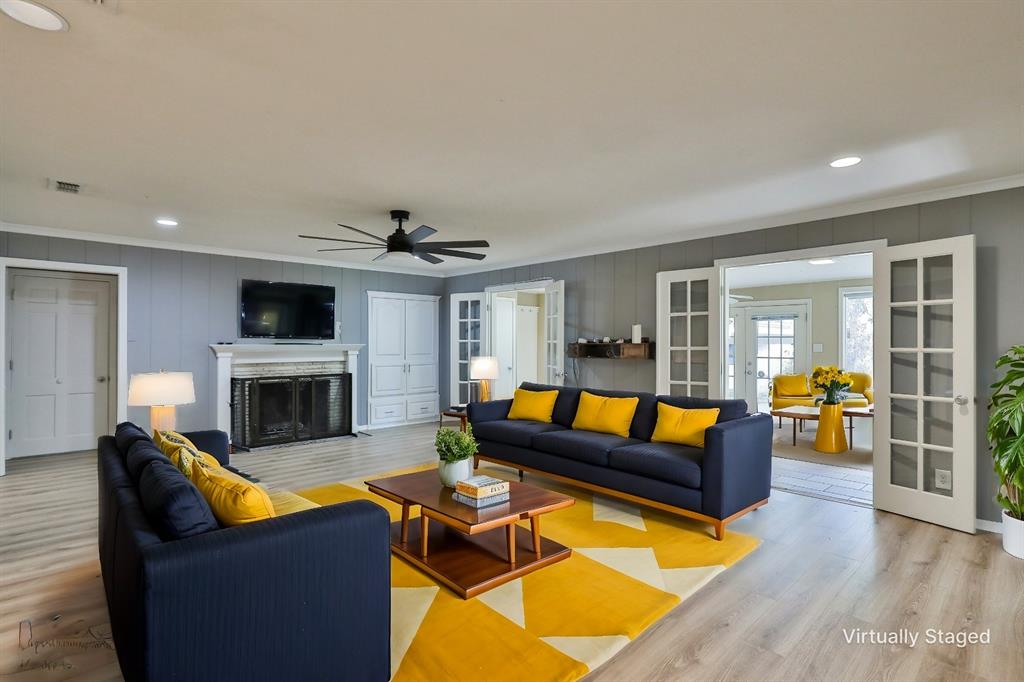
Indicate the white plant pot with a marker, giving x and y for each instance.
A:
(453, 472)
(1013, 535)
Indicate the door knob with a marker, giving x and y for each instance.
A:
(101, 379)
(60, 381)
(961, 400)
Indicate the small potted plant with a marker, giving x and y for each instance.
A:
(1006, 438)
(455, 449)
(831, 437)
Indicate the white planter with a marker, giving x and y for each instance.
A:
(453, 472)
(1013, 535)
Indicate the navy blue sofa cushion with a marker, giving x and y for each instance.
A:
(140, 455)
(126, 434)
(664, 461)
(728, 409)
(582, 446)
(513, 431)
(565, 404)
(174, 506)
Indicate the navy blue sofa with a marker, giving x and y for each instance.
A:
(305, 596)
(729, 477)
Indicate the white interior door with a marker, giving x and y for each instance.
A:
(689, 333)
(554, 333)
(421, 346)
(527, 344)
(387, 346)
(776, 341)
(467, 333)
(503, 338)
(60, 371)
(924, 436)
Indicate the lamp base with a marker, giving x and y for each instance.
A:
(485, 390)
(162, 418)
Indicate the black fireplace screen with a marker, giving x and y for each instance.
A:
(275, 410)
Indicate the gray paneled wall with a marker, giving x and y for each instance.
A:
(180, 302)
(607, 293)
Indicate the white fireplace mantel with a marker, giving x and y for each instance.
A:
(231, 354)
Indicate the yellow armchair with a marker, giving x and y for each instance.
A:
(789, 390)
(861, 384)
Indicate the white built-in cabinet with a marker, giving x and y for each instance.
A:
(403, 358)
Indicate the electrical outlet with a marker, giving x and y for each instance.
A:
(943, 479)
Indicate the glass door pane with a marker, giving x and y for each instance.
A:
(467, 326)
(686, 351)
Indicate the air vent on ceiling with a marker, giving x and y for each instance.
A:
(69, 187)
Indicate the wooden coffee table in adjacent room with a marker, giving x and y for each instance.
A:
(799, 413)
(458, 550)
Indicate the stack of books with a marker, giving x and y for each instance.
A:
(481, 491)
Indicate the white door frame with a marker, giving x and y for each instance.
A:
(121, 379)
(804, 306)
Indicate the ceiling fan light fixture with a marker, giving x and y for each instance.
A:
(33, 14)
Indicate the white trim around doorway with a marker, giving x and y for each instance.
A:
(121, 273)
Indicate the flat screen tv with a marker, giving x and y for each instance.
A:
(281, 310)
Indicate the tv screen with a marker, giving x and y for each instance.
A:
(280, 310)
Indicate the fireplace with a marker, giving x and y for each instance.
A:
(272, 410)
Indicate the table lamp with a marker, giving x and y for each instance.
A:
(160, 392)
(484, 369)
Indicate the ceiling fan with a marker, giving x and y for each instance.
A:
(400, 243)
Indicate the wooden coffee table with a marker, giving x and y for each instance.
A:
(457, 550)
(798, 413)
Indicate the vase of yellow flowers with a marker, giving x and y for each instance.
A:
(834, 382)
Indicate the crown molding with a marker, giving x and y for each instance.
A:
(122, 240)
(824, 213)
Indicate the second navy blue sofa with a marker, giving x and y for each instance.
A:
(730, 476)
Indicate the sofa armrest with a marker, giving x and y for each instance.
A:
(305, 596)
(213, 442)
(737, 469)
(490, 411)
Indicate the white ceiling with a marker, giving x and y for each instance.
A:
(857, 266)
(549, 129)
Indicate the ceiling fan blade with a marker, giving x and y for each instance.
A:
(332, 239)
(421, 232)
(478, 244)
(428, 258)
(452, 253)
(364, 232)
(382, 256)
(349, 248)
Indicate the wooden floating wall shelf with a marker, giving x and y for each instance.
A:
(612, 351)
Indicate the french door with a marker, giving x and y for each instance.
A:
(554, 333)
(468, 331)
(925, 413)
(688, 334)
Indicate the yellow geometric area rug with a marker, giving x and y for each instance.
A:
(630, 565)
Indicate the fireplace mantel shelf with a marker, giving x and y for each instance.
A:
(230, 354)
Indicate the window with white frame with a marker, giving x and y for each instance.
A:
(857, 327)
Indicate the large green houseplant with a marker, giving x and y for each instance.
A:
(1006, 438)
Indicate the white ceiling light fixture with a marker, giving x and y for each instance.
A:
(33, 14)
(167, 222)
(821, 261)
(845, 162)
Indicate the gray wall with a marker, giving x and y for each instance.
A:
(181, 302)
(607, 293)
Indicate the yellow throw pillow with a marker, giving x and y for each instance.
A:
(233, 499)
(791, 384)
(183, 458)
(605, 415)
(170, 441)
(286, 502)
(681, 426)
(533, 405)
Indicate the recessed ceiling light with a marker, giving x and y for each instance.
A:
(821, 261)
(33, 14)
(167, 222)
(845, 162)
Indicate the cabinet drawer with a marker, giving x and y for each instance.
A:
(422, 407)
(386, 413)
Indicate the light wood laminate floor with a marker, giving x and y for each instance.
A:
(778, 615)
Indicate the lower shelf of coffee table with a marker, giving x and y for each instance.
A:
(472, 564)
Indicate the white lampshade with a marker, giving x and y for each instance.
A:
(161, 388)
(483, 367)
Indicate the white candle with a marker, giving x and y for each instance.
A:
(637, 334)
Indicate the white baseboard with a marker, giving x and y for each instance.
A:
(990, 526)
